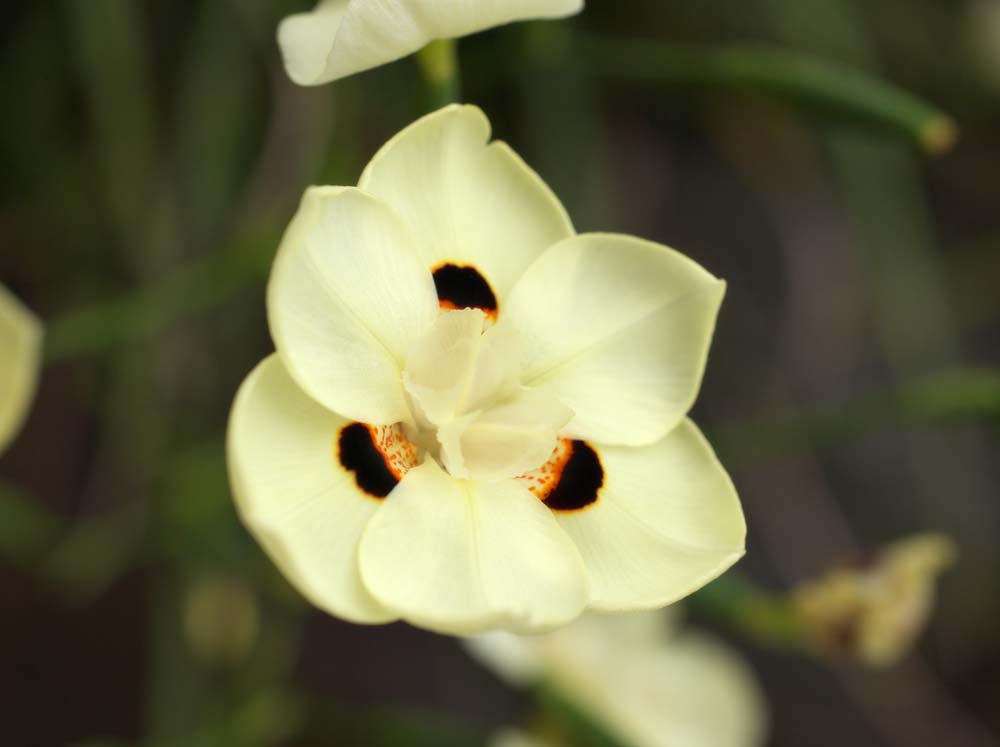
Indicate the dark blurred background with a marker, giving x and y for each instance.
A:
(153, 151)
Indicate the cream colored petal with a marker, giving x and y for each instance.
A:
(618, 329)
(666, 522)
(20, 361)
(466, 200)
(342, 37)
(346, 297)
(306, 41)
(459, 557)
(293, 494)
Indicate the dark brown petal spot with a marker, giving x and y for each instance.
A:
(359, 453)
(579, 480)
(463, 287)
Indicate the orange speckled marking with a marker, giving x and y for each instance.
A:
(571, 480)
(543, 481)
(377, 455)
(400, 455)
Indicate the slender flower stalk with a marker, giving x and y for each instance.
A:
(438, 63)
(834, 90)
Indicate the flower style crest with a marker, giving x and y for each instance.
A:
(20, 363)
(342, 37)
(476, 418)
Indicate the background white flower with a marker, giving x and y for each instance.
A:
(20, 360)
(476, 418)
(342, 37)
(641, 677)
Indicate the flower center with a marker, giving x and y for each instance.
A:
(471, 412)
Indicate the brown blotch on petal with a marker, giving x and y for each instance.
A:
(378, 456)
(580, 480)
(464, 287)
(571, 480)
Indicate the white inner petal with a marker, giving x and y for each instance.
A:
(463, 380)
(460, 365)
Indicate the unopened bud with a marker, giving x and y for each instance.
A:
(874, 612)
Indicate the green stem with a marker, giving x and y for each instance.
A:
(560, 721)
(764, 616)
(832, 89)
(438, 63)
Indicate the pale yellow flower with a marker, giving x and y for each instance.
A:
(874, 612)
(342, 37)
(476, 418)
(642, 679)
(20, 362)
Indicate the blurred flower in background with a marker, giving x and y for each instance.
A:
(20, 358)
(221, 618)
(458, 374)
(874, 611)
(342, 37)
(641, 678)
(981, 31)
(517, 738)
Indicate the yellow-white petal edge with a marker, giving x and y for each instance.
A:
(293, 494)
(461, 557)
(618, 329)
(467, 201)
(667, 522)
(20, 363)
(342, 37)
(346, 297)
